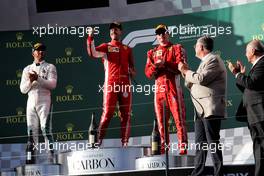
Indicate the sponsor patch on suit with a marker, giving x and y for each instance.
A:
(113, 49)
(159, 53)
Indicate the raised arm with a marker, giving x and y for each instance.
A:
(95, 52)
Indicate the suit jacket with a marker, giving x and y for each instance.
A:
(253, 92)
(208, 86)
(241, 113)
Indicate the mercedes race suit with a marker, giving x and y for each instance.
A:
(39, 98)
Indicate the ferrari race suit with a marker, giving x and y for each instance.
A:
(118, 63)
(39, 99)
(168, 90)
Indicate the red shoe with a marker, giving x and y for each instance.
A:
(183, 149)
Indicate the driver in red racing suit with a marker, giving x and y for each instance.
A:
(119, 66)
(162, 64)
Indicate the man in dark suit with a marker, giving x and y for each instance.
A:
(252, 86)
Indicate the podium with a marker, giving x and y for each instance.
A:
(8, 173)
(108, 160)
(159, 162)
(99, 160)
(38, 169)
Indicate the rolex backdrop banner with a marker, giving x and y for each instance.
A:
(80, 78)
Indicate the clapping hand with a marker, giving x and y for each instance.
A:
(236, 68)
(33, 76)
(242, 68)
(232, 67)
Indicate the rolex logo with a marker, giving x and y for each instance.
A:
(19, 111)
(69, 97)
(19, 118)
(68, 51)
(16, 81)
(19, 43)
(69, 58)
(259, 36)
(19, 73)
(19, 36)
(69, 89)
(70, 134)
(69, 127)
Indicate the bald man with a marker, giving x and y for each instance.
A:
(252, 86)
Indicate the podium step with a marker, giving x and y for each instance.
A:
(8, 173)
(100, 160)
(38, 169)
(159, 162)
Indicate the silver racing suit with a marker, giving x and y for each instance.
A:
(39, 98)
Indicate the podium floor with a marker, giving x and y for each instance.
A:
(229, 170)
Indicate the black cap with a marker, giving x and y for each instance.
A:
(161, 28)
(39, 47)
(115, 25)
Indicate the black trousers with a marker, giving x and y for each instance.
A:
(207, 132)
(257, 135)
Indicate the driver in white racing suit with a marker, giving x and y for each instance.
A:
(38, 79)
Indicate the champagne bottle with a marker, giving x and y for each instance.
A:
(92, 132)
(30, 154)
(155, 139)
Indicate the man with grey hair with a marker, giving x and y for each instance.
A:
(253, 98)
(208, 91)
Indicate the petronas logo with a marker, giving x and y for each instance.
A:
(19, 73)
(19, 36)
(68, 51)
(69, 89)
(69, 127)
(19, 111)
